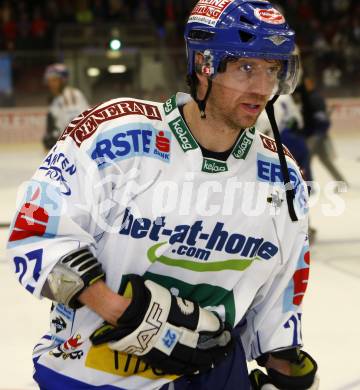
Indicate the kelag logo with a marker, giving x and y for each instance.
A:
(214, 166)
(183, 135)
(129, 141)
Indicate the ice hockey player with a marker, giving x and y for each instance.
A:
(65, 103)
(167, 242)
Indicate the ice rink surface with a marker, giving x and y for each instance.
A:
(331, 307)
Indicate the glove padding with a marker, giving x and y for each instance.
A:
(303, 376)
(171, 334)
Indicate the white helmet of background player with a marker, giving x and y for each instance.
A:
(56, 77)
(58, 70)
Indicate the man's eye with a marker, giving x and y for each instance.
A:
(246, 68)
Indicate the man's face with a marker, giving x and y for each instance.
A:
(55, 85)
(240, 94)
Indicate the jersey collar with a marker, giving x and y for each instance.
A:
(189, 145)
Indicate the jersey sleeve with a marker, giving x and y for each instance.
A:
(58, 211)
(273, 321)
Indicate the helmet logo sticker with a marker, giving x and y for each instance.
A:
(277, 39)
(271, 16)
(208, 11)
(207, 66)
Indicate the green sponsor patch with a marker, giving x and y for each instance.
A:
(170, 105)
(243, 146)
(214, 166)
(183, 135)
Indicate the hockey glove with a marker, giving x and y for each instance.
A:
(171, 334)
(303, 375)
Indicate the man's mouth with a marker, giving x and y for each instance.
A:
(251, 108)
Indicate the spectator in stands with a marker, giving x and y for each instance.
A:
(117, 10)
(66, 103)
(39, 28)
(8, 27)
(157, 10)
(84, 13)
(23, 36)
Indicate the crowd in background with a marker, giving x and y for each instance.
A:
(31, 24)
(323, 23)
(328, 31)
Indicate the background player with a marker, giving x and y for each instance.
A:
(317, 123)
(66, 102)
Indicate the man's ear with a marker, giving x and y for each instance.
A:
(201, 68)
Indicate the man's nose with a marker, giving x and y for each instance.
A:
(261, 84)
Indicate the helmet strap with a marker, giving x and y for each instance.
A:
(201, 102)
(290, 193)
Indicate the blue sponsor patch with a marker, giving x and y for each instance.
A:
(128, 141)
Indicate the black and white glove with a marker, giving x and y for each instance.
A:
(303, 369)
(171, 334)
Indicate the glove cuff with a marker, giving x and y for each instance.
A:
(302, 374)
(140, 299)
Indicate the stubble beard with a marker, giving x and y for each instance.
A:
(231, 118)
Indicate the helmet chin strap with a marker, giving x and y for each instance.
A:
(202, 102)
(290, 193)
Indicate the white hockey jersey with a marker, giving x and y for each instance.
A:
(65, 107)
(128, 179)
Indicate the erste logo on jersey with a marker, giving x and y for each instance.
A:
(209, 11)
(129, 141)
(85, 127)
(269, 170)
(271, 16)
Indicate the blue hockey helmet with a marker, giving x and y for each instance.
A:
(220, 29)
